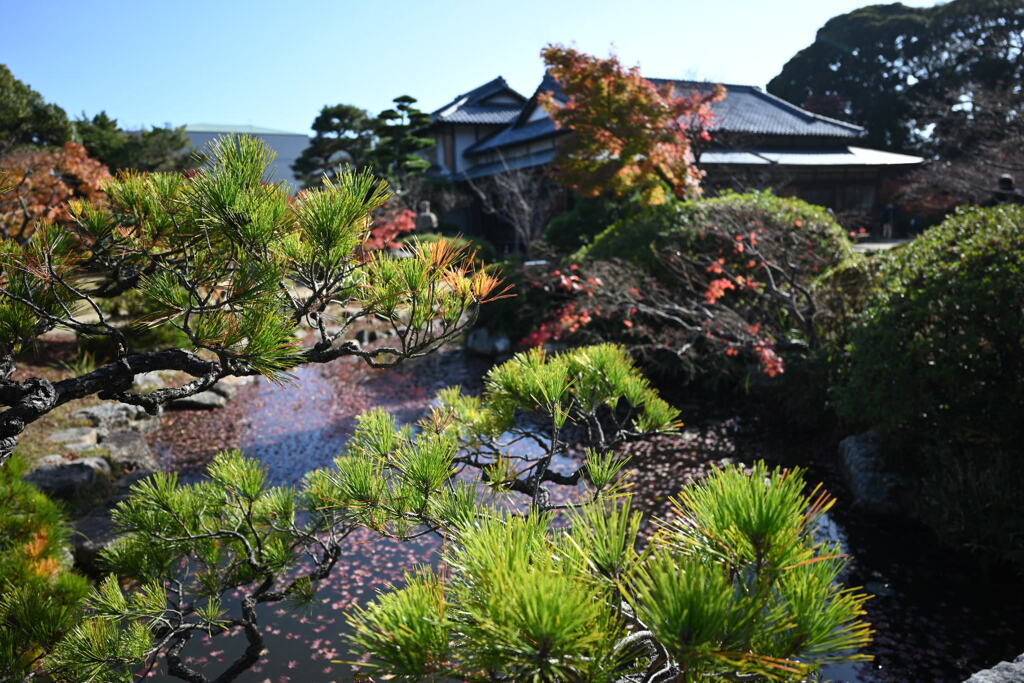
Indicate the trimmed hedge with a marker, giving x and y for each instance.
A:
(939, 344)
(937, 358)
(636, 236)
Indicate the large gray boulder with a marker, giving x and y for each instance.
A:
(1003, 672)
(71, 480)
(129, 451)
(112, 416)
(873, 487)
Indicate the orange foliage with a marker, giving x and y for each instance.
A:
(629, 134)
(44, 180)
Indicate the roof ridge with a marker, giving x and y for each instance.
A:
(810, 114)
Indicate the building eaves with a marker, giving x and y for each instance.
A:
(837, 156)
(515, 135)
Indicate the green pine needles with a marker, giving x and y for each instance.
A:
(545, 575)
(734, 585)
(236, 269)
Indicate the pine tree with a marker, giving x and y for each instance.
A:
(233, 264)
(735, 584)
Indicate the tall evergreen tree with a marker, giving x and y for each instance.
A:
(344, 137)
(885, 66)
(153, 149)
(26, 118)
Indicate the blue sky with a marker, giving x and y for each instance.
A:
(274, 64)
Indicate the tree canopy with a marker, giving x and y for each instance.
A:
(343, 137)
(628, 133)
(26, 118)
(153, 149)
(886, 66)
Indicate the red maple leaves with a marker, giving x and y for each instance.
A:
(628, 133)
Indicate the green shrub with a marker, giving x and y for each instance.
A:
(717, 291)
(937, 357)
(939, 343)
(589, 216)
(40, 597)
(637, 237)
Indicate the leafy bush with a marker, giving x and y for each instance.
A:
(707, 289)
(938, 356)
(40, 597)
(590, 216)
(939, 343)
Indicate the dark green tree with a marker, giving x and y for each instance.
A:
(884, 66)
(397, 140)
(26, 118)
(344, 137)
(156, 149)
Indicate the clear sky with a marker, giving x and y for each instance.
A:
(274, 64)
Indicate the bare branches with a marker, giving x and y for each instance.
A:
(523, 198)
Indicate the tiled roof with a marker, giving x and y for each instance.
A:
(493, 113)
(748, 109)
(511, 164)
(470, 108)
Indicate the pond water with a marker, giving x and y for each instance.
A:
(302, 426)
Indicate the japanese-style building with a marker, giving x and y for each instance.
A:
(758, 141)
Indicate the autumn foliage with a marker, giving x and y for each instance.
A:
(629, 133)
(42, 182)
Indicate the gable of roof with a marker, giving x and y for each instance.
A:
(477, 105)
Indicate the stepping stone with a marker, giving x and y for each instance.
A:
(204, 400)
(130, 452)
(111, 416)
(70, 479)
(75, 438)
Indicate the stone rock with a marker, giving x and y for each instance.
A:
(75, 438)
(229, 386)
(873, 488)
(481, 342)
(92, 534)
(112, 416)
(130, 452)
(1003, 672)
(204, 400)
(149, 381)
(71, 479)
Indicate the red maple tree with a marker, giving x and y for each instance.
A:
(40, 184)
(629, 134)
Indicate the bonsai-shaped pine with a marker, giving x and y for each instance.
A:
(237, 266)
(735, 585)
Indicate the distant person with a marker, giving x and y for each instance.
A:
(888, 218)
